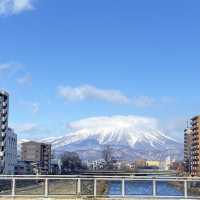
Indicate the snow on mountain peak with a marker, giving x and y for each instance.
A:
(115, 130)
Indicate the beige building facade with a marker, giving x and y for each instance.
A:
(39, 154)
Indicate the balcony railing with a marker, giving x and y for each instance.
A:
(100, 186)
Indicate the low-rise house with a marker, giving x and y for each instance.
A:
(23, 168)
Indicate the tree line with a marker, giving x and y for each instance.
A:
(72, 163)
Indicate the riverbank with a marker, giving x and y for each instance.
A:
(193, 188)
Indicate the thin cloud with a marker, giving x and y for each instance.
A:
(26, 128)
(10, 71)
(25, 80)
(88, 92)
(85, 92)
(9, 68)
(31, 130)
(176, 126)
(12, 7)
(5, 66)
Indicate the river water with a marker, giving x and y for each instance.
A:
(145, 188)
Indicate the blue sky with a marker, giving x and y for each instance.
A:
(68, 60)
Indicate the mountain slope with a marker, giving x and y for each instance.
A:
(128, 135)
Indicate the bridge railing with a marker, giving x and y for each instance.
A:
(100, 186)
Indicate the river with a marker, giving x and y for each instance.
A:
(144, 188)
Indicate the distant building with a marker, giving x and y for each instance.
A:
(165, 164)
(152, 163)
(118, 164)
(187, 149)
(39, 154)
(95, 164)
(123, 165)
(195, 154)
(55, 166)
(23, 168)
(178, 167)
(140, 164)
(4, 106)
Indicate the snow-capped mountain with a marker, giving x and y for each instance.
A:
(131, 137)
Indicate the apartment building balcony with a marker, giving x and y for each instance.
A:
(195, 166)
(195, 120)
(4, 104)
(195, 133)
(4, 118)
(196, 139)
(194, 124)
(5, 111)
(195, 159)
(3, 127)
(195, 128)
(2, 143)
(1, 154)
(3, 134)
(195, 154)
(194, 148)
(195, 144)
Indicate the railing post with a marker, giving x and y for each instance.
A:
(154, 187)
(79, 187)
(123, 187)
(46, 188)
(95, 187)
(13, 187)
(185, 189)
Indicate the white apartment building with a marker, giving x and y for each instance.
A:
(10, 157)
(95, 164)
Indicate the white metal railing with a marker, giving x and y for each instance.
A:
(99, 186)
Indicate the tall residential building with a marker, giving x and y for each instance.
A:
(8, 139)
(195, 164)
(10, 158)
(4, 104)
(39, 154)
(187, 149)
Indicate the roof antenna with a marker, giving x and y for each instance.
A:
(187, 124)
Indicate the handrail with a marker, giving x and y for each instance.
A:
(79, 179)
(98, 176)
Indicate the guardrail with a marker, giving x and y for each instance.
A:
(100, 186)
